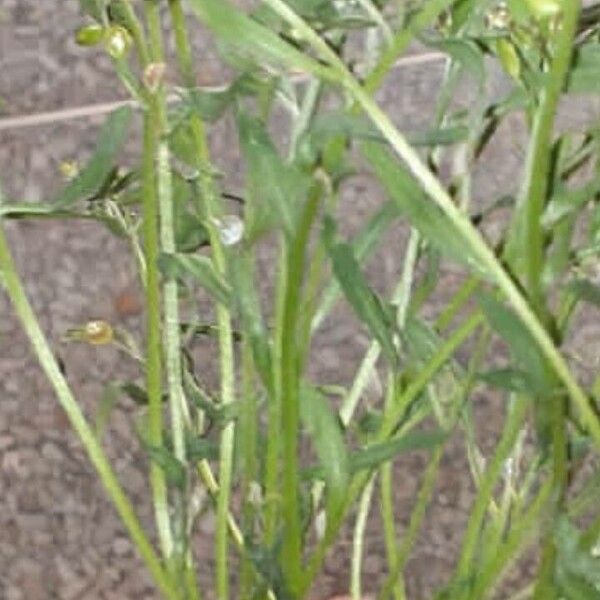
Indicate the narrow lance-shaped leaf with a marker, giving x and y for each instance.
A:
(524, 350)
(326, 433)
(362, 298)
(363, 245)
(375, 455)
(275, 189)
(201, 269)
(112, 135)
(422, 213)
(263, 45)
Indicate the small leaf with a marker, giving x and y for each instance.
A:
(113, 134)
(366, 304)
(198, 448)
(363, 245)
(523, 348)
(173, 469)
(202, 271)
(326, 434)
(567, 201)
(375, 455)
(585, 290)
(512, 380)
(583, 75)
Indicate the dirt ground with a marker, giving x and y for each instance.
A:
(59, 536)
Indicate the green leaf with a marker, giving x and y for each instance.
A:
(525, 353)
(334, 123)
(510, 379)
(113, 134)
(465, 52)
(585, 290)
(248, 306)
(254, 40)
(375, 455)
(422, 213)
(326, 433)
(173, 469)
(366, 304)
(198, 448)
(583, 76)
(363, 245)
(275, 190)
(567, 201)
(200, 269)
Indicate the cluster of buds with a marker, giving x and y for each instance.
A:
(116, 39)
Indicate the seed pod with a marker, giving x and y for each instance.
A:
(117, 41)
(90, 35)
(509, 58)
(97, 333)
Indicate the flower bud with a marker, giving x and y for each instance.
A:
(117, 41)
(89, 35)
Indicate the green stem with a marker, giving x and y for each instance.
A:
(387, 501)
(153, 333)
(274, 441)
(226, 354)
(84, 431)
(290, 375)
(539, 155)
(358, 539)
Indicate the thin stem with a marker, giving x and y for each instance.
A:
(153, 334)
(357, 544)
(274, 441)
(539, 154)
(226, 355)
(292, 542)
(86, 434)
(387, 499)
